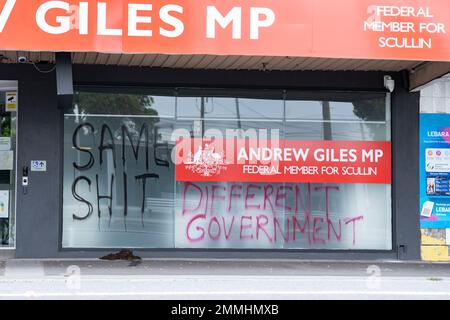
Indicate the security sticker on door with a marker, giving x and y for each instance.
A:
(11, 101)
(39, 165)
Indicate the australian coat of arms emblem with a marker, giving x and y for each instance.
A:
(206, 161)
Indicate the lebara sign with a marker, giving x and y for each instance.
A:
(368, 29)
(435, 170)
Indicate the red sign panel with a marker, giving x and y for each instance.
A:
(360, 29)
(234, 160)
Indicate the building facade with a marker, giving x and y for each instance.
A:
(228, 142)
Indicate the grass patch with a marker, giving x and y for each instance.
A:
(434, 279)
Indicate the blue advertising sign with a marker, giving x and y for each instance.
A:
(435, 170)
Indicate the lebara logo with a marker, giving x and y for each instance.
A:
(443, 134)
(206, 162)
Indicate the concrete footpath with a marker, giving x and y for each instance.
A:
(222, 279)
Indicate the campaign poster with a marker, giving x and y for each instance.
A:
(435, 170)
(285, 161)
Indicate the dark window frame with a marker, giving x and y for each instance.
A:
(262, 93)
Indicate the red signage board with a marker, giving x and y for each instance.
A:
(364, 29)
(239, 160)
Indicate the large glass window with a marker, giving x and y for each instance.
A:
(120, 187)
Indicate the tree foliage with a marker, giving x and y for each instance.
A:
(114, 103)
(370, 110)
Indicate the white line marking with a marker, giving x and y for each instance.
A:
(224, 293)
(205, 278)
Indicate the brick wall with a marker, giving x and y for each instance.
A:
(434, 245)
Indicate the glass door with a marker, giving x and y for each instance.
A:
(8, 134)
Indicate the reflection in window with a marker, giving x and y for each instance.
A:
(229, 108)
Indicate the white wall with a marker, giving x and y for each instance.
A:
(435, 97)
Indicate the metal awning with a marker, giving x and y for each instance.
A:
(217, 62)
(419, 70)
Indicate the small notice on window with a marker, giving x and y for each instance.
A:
(5, 143)
(4, 203)
(6, 160)
(11, 101)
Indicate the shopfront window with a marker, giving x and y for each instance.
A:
(123, 186)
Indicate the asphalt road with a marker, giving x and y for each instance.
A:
(222, 280)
